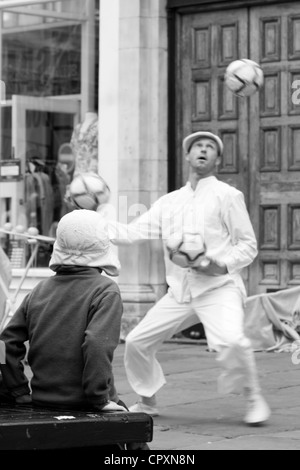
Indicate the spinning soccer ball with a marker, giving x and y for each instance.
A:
(187, 253)
(88, 191)
(244, 77)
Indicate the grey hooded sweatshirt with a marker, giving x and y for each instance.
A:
(72, 321)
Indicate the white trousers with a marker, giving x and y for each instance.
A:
(222, 315)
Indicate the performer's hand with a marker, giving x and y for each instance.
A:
(211, 268)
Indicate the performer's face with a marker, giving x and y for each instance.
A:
(203, 156)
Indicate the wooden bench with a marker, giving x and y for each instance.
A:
(28, 428)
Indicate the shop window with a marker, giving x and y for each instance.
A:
(42, 52)
(42, 63)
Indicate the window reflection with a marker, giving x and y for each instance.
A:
(45, 48)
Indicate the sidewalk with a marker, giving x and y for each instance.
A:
(195, 417)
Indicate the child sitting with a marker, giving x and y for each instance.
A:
(71, 321)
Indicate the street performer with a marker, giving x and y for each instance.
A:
(211, 214)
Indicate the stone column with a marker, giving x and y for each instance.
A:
(133, 135)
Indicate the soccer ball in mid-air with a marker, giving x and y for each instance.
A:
(88, 191)
(244, 77)
(189, 252)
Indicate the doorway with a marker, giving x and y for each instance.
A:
(261, 134)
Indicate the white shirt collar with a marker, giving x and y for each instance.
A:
(202, 183)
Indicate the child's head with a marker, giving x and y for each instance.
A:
(82, 240)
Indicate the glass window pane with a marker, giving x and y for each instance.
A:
(42, 53)
(43, 62)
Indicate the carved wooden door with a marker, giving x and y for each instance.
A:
(210, 41)
(261, 134)
(274, 129)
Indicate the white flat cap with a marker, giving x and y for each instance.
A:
(190, 139)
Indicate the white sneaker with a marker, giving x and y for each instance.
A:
(140, 407)
(258, 411)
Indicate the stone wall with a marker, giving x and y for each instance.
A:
(133, 135)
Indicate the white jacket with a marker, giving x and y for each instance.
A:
(216, 211)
